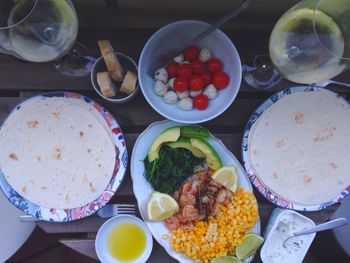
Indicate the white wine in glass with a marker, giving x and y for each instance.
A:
(43, 31)
(46, 36)
(310, 42)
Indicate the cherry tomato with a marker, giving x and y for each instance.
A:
(198, 66)
(214, 65)
(191, 53)
(180, 84)
(196, 82)
(200, 102)
(206, 78)
(185, 70)
(220, 80)
(172, 70)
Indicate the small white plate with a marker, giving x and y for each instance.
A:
(13, 232)
(102, 236)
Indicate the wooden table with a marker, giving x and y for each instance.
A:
(19, 80)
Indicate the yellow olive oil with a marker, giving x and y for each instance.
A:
(126, 242)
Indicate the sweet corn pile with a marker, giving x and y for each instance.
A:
(220, 234)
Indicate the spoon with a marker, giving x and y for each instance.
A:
(327, 82)
(169, 54)
(321, 227)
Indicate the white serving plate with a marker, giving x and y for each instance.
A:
(142, 189)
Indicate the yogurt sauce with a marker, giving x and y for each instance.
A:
(296, 247)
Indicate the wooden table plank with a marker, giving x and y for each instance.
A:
(93, 223)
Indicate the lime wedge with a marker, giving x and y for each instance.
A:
(161, 206)
(227, 176)
(249, 246)
(225, 259)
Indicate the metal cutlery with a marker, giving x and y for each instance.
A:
(104, 212)
(327, 82)
(169, 54)
(321, 227)
(117, 209)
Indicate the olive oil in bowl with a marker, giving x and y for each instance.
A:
(126, 242)
(123, 239)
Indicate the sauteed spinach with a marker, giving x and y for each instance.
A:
(170, 170)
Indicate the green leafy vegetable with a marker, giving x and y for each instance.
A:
(170, 170)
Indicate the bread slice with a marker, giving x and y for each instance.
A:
(129, 84)
(106, 84)
(114, 68)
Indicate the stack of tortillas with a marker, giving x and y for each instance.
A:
(300, 147)
(57, 152)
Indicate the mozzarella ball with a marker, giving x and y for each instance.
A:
(194, 93)
(170, 97)
(204, 54)
(160, 88)
(179, 59)
(185, 104)
(171, 83)
(183, 94)
(210, 91)
(161, 74)
(185, 62)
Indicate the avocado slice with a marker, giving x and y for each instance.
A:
(169, 135)
(194, 132)
(186, 144)
(213, 159)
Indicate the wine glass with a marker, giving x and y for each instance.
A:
(43, 31)
(310, 43)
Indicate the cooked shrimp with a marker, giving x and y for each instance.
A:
(189, 188)
(187, 200)
(214, 186)
(176, 195)
(220, 196)
(181, 218)
(172, 223)
(214, 209)
(228, 197)
(190, 212)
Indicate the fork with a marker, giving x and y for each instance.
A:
(104, 212)
(116, 209)
(169, 54)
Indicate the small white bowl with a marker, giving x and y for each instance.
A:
(128, 64)
(102, 237)
(174, 35)
(271, 228)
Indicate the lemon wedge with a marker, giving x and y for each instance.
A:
(227, 176)
(161, 206)
(249, 246)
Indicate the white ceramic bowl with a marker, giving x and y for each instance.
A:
(102, 237)
(175, 35)
(100, 66)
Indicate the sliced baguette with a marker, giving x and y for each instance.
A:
(106, 84)
(114, 68)
(129, 84)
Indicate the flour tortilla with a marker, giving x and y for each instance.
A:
(57, 152)
(300, 147)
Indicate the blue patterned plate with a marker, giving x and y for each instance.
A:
(268, 194)
(65, 215)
